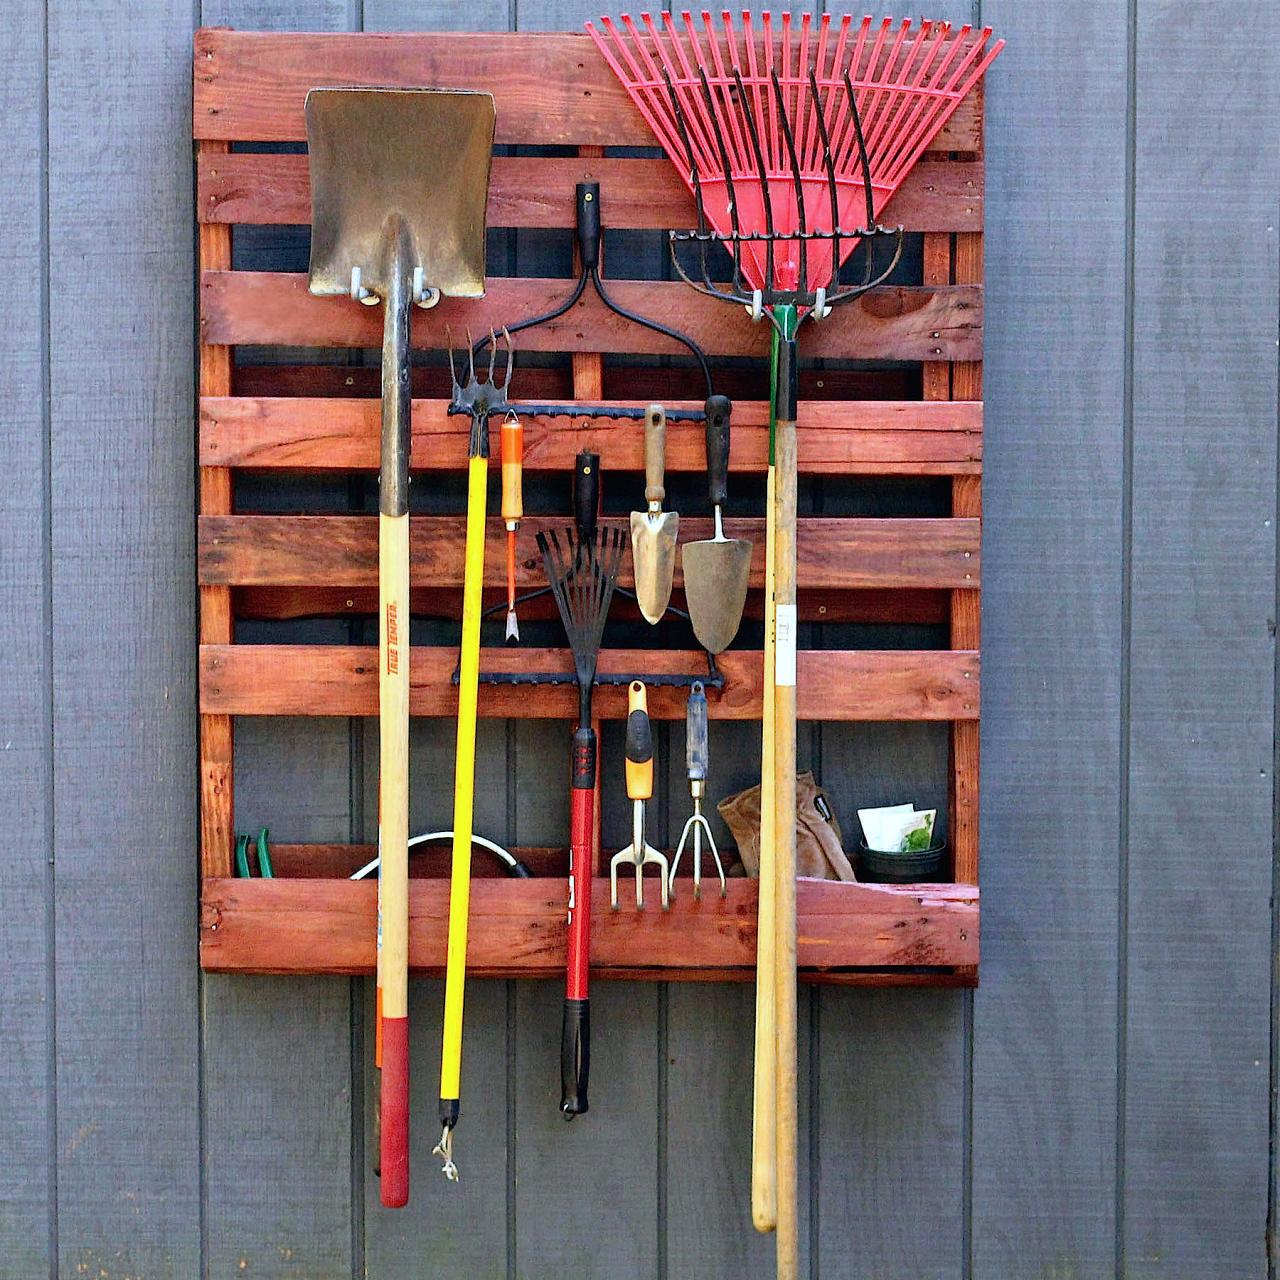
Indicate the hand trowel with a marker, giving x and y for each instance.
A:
(716, 569)
(653, 532)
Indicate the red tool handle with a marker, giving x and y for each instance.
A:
(394, 1115)
(575, 1040)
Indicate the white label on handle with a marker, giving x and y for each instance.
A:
(785, 645)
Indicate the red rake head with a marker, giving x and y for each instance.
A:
(792, 140)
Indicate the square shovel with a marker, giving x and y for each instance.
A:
(716, 569)
(399, 184)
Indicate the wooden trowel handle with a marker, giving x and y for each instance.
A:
(655, 454)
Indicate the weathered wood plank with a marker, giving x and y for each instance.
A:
(895, 322)
(518, 927)
(27, 1140)
(128, 1177)
(1044, 1036)
(551, 89)
(836, 555)
(526, 191)
(836, 437)
(1201, 963)
(341, 680)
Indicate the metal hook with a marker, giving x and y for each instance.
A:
(444, 1149)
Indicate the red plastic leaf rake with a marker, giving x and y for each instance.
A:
(791, 139)
(783, 137)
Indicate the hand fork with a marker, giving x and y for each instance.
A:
(697, 763)
(639, 768)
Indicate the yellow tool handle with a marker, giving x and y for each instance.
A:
(512, 467)
(764, 1185)
(464, 783)
(639, 744)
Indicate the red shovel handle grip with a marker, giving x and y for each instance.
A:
(395, 1112)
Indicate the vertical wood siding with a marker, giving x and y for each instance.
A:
(1099, 1107)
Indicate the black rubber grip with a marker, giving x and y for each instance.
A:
(639, 737)
(586, 493)
(575, 1058)
(717, 409)
(589, 224)
(583, 775)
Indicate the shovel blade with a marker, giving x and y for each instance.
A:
(418, 158)
(653, 553)
(715, 586)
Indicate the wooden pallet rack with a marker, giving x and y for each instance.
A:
(553, 91)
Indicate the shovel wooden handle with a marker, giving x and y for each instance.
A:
(393, 739)
(655, 454)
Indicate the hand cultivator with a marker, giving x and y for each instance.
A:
(697, 758)
(790, 142)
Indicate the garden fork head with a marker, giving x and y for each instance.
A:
(639, 769)
(481, 397)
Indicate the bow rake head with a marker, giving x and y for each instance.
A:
(765, 167)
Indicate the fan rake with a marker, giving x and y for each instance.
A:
(791, 140)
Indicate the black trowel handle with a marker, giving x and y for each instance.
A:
(717, 410)
(586, 493)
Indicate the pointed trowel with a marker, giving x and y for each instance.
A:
(716, 569)
(653, 532)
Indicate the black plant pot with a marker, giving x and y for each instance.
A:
(883, 867)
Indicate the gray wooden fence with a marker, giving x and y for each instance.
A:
(1102, 1106)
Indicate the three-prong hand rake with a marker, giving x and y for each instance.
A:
(791, 141)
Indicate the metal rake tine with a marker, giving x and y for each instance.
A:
(764, 185)
(829, 164)
(862, 150)
(728, 186)
(511, 358)
(790, 143)
(471, 357)
(453, 374)
(493, 354)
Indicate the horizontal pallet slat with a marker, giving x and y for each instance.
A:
(834, 437)
(836, 554)
(898, 322)
(341, 680)
(549, 88)
(517, 927)
(524, 191)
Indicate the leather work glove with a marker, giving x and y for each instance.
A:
(819, 851)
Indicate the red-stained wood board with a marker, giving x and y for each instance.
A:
(916, 417)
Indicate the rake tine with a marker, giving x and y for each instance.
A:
(728, 184)
(829, 165)
(862, 152)
(764, 189)
(799, 184)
